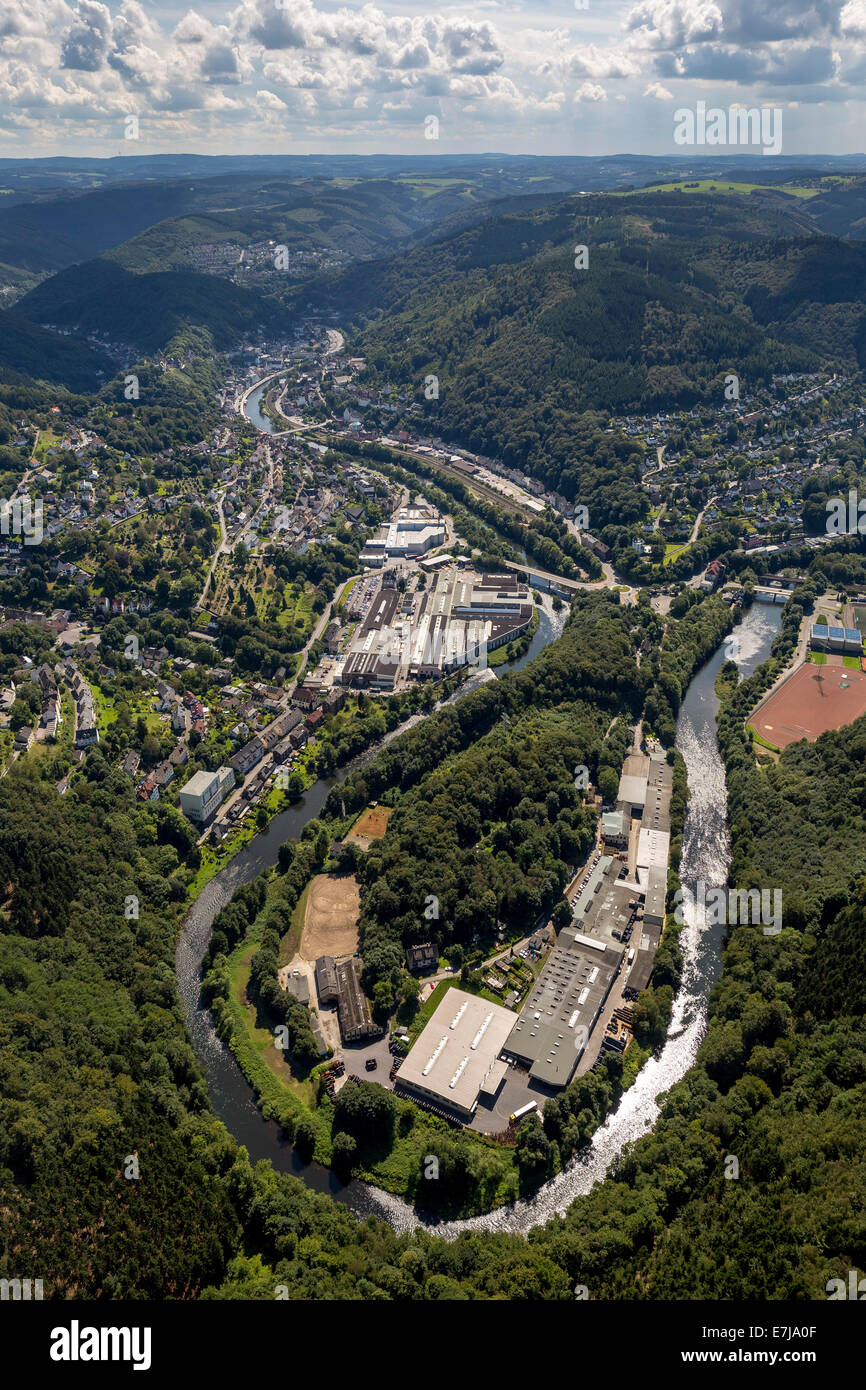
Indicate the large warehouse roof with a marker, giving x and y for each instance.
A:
(456, 1051)
(632, 790)
(653, 848)
(568, 994)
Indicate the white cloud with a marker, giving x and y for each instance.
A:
(85, 43)
(658, 92)
(852, 19)
(335, 77)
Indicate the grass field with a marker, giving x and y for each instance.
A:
(672, 551)
(261, 1037)
(762, 741)
(290, 944)
(718, 186)
(297, 609)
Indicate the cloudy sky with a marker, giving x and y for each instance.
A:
(534, 76)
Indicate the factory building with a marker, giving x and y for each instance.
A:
(555, 1022)
(455, 622)
(353, 1006)
(410, 533)
(456, 1058)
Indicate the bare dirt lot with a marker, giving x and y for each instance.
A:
(331, 921)
(813, 700)
(371, 826)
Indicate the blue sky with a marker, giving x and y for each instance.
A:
(302, 76)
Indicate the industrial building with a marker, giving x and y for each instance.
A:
(562, 1009)
(410, 533)
(353, 1006)
(657, 799)
(572, 990)
(456, 1058)
(615, 827)
(632, 794)
(455, 622)
(339, 982)
(653, 849)
(203, 794)
(326, 980)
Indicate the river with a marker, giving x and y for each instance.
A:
(253, 409)
(705, 857)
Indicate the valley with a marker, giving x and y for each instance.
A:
(431, 591)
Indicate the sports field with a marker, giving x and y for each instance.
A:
(370, 825)
(815, 699)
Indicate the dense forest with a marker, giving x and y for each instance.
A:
(29, 353)
(146, 311)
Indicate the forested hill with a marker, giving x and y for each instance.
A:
(366, 219)
(679, 290)
(96, 1066)
(30, 353)
(56, 228)
(147, 311)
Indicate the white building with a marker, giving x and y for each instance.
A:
(456, 1056)
(204, 793)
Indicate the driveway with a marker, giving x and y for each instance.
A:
(515, 1091)
(355, 1055)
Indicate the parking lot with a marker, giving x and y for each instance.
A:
(356, 1055)
(514, 1092)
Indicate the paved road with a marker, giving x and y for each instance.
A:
(220, 550)
(699, 518)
